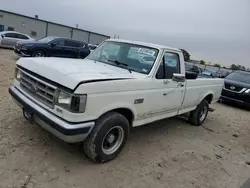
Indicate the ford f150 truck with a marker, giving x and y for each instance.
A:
(99, 99)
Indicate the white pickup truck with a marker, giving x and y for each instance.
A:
(120, 85)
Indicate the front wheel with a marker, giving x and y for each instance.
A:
(38, 53)
(107, 138)
(199, 115)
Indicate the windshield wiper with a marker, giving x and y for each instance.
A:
(120, 63)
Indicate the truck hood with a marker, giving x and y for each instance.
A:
(70, 72)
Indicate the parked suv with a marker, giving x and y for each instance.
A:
(237, 88)
(53, 47)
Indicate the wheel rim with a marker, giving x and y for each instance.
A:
(112, 140)
(203, 113)
(39, 54)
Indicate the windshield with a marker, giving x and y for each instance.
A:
(125, 55)
(46, 39)
(239, 76)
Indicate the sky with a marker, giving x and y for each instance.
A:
(217, 31)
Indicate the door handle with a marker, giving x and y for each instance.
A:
(165, 81)
(180, 85)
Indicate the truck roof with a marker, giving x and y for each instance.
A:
(145, 44)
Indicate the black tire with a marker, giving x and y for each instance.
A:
(38, 53)
(94, 144)
(195, 116)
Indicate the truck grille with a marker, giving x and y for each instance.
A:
(38, 89)
(233, 88)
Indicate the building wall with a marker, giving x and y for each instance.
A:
(96, 39)
(80, 35)
(23, 24)
(59, 31)
(43, 28)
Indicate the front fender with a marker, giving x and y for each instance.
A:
(115, 106)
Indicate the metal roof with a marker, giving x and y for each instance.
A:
(52, 22)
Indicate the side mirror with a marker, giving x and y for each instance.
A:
(191, 75)
(2, 36)
(178, 77)
(52, 44)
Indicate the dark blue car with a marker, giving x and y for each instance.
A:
(53, 47)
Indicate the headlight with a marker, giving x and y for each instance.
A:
(26, 46)
(72, 102)
(17, 74)
(247, 91)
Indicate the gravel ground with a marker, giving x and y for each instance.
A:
(170, 153)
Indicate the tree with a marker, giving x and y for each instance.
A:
(224, 67)
(242, 68)
(217, 65)
(234, 67)
(186, 55)
(202, 62)
(238, 67)
(248, 69)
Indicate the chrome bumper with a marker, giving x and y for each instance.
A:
(66, 131)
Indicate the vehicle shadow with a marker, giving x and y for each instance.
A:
(141, 138)
(234, 105)
(246, 184)
(13, 56)
(6, 48)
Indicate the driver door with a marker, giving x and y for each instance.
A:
(166, 94)
(57, 48)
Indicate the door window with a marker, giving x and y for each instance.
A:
(59, 42)
(20, 36)
(75, 44)
(33, 33)
(170, 64)
(10, 35)
(1, 27)
(10, 29)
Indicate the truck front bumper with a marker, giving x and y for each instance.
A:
(66, 131)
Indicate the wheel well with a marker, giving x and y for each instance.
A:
(209, 98)
(127, 113)
(39, 49)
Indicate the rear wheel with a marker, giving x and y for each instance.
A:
(38, 53)
(199, 115)
(107, 138)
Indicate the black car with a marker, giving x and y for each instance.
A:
(53, 47)
(192, 68)
(192, 71)
(237, 88)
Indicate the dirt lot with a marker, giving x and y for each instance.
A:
(169, 153)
